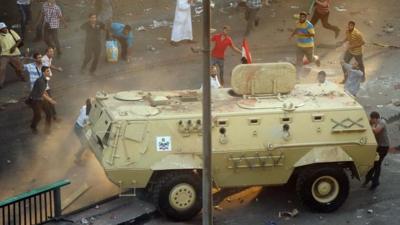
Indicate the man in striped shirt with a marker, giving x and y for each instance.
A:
(305, 41)
(354, 49)
(321, 12)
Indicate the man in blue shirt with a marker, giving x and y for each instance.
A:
(34, 69)
(123, 33)
(354, 77)
(252, 8)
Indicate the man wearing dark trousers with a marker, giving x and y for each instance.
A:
(321, 12)
(252, 8)
(355, 48)
(379, 128)
(24, 7)
(93, 45)
(40, 101)
(52, 16)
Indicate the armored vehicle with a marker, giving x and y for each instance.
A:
(266, 130)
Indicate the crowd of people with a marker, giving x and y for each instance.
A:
(49, 21)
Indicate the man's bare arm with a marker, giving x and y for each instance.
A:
(48, 98)
(236, 49)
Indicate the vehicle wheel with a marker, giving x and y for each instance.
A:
(178, 195)
(323, 189)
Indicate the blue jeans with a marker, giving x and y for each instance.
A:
(26, 16)
(220, 64)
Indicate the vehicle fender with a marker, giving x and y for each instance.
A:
(327, 154)
(178, 162)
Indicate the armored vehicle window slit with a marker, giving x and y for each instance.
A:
(222, 122)
(318, 118)
(286, 120)
(254, 121)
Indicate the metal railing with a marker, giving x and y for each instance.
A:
(34, 207)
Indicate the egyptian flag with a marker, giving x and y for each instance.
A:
(245, 51)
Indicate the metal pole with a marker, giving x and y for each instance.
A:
(207, 180)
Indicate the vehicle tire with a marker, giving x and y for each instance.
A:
(323, 189)
(178, 195)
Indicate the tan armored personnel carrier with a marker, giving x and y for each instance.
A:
(266, 131)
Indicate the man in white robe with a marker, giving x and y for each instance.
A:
(182, 28)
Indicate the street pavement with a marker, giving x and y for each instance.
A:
(29, 161)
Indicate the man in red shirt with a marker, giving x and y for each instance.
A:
(321, 12)
(222, 42)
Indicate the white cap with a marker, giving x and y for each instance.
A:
(2, 25)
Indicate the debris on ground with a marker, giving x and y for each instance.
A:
(198, 10)
(97, 207)
(340, 8)
(370, 211)
(195, 49)
(8, 161)
(388, 28)
(84, 221)
(396, 102)
(141, 28)
(151, 48)
(161, 39)
(287, 214)
(385, 45)
(294, 7)
(157, 24)
(92, 219)
(12, 101)
(368, 22)
(217, 207)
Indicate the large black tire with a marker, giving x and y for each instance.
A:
(178, 195)
(323, 188)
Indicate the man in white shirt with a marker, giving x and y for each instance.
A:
(182, 28)
(47, 60)
(80, 123)
(214, 82)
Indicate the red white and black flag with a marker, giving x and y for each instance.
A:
(246, 51)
